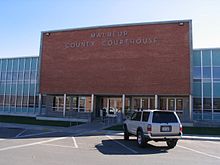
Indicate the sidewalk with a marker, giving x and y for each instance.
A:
(97, 128)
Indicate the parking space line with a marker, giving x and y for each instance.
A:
(55, 145)
(74, 142)
(36, 134)
(135, 152)
(20, 133)
(199, 152)
(31, 144)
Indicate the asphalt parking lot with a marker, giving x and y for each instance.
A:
(24, 147)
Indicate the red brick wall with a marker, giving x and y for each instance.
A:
(161, 65)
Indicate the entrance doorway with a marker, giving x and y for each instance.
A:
(111, 105)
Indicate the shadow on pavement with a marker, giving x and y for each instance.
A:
(112, 147)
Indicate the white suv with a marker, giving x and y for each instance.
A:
(154, 125)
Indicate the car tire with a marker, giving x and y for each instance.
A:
(141, 140)
(126, 133)
(171, 143)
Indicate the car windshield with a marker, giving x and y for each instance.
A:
(164, 117)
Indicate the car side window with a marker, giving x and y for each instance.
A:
(136, 116)
(145, 116)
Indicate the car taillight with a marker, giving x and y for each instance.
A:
(181, 128)
(149, 128)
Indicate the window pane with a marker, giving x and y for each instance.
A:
(2, 87)
(26, 76)
(82, 103)
(196, 58)
(196, 72)
(216, 57)
(197, 104)
(0, 65)
(25, 88)
(145, 116)
(207, 89)
(206, 72)
(34, 64)
(4, 65)
(171, 104)
(32, 90)
(144, 103)
(15, 64)
(216, 89)
(207, 103)
(27, 63)
(206, 58)
(3, 75)
(197, 89)
(216, 72)
(164, 117)
(21, 64)
(152, 103)
(9, 67)
(163, 103)
(136, 103)
(216, 103)
(179, 104)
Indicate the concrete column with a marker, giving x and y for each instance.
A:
(190, 107)
(39, 103)
(123, 104)
(92, 102)
(156, 101)
(64, 105)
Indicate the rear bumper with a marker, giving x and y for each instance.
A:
(163, 137)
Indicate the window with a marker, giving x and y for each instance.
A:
(152, 103)
(137, 103)
(197, 103)
(216, 90)
(207, 103)
(144, 103)
(171, 104)
(197, 89)
(145, 116)
(196, 58)
(179, 104)
(164, 117)
(216, 57)
(206, 57)
(207, 89)
(216, 104)
(216, 72)
(163, 103)
(136, 116)
(197, 72)
(206, 72)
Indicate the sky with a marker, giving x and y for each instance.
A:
(21, 21)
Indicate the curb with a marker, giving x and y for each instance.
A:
(203, 138)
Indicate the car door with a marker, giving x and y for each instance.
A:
(135, 122)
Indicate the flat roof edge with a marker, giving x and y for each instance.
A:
(118, 25)
(5, 58)
(214, 48)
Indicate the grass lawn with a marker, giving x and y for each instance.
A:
(186, 130)
(33, 121)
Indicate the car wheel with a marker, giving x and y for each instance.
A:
(126, 133)
(141, 140)
(172, 143)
